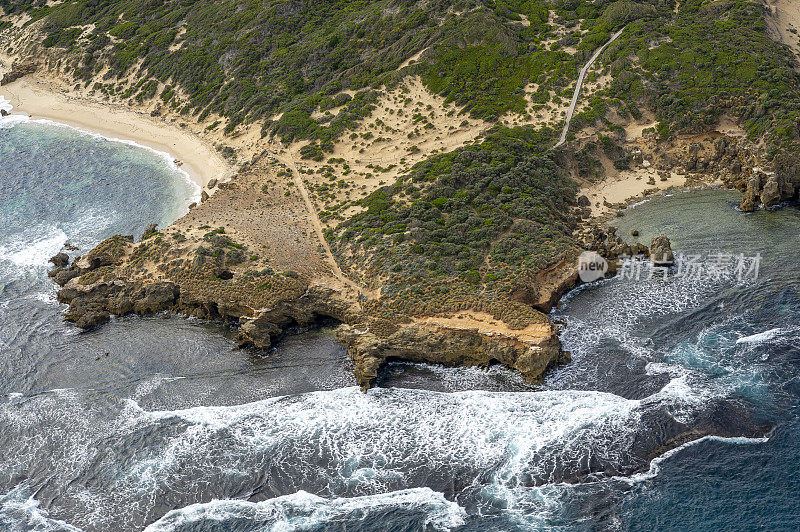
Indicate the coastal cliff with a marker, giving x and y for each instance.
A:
(399, 190)
(531, 350)
(267, 277)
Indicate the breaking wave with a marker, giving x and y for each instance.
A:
(413, 509)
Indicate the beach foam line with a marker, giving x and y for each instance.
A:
(655, 463)
(13, 119)
(10, 120)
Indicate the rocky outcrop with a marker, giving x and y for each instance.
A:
(18, 70)
(606, 242)
(92, 305)
(542, 289)
(661, 251)
(93, 299)
(751, 199)
(771, 192)
(530, 354)
(60, 260)
(318, 302)
(769, 188)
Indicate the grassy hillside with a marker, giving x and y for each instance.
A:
(251, 59)
(464, 229)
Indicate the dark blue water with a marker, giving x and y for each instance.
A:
(162, 423)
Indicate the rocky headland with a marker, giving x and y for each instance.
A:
(429, 227)
(267, 276)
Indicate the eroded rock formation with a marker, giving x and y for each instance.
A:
(18, 70)
(661, 251)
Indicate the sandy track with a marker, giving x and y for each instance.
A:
(577, 92)
(317, 224)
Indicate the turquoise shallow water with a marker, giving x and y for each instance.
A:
(175, 429)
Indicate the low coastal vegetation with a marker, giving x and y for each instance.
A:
(486, 224)
(466, 230)
(279, 61)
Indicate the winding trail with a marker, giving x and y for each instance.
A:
(312, 211)
(578, 86)
(315, 221)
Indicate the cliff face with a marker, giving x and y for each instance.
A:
(455, 342)
(448, 341)
(771, 187)
(265, 273)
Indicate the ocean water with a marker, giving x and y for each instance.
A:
(163, 425)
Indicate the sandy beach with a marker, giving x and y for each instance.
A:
(626, 185)
(41, 99)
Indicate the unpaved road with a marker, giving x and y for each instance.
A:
(578, 86)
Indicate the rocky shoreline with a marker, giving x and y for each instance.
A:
(95, 290)
(191, 268)
(91, 305)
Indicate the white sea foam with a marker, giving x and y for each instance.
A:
(304, 511)
(34, 251)
(353, 445)
(761, 337)
(5, 105)
(517, 436)
(10, 120)
(21, 512)
(655, 464)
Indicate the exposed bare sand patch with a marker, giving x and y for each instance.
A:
(784, 22)
(486, 325)
(408, 125)
(635, 130)
(728, 126)
(627, 184)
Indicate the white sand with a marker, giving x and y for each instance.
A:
(41, 99)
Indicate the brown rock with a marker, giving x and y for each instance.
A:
(18, 70)
(451, 346)
(60, 260)
(770, 194)
(661, 251)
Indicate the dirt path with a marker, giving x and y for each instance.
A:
(315, 221)
(577, 92)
